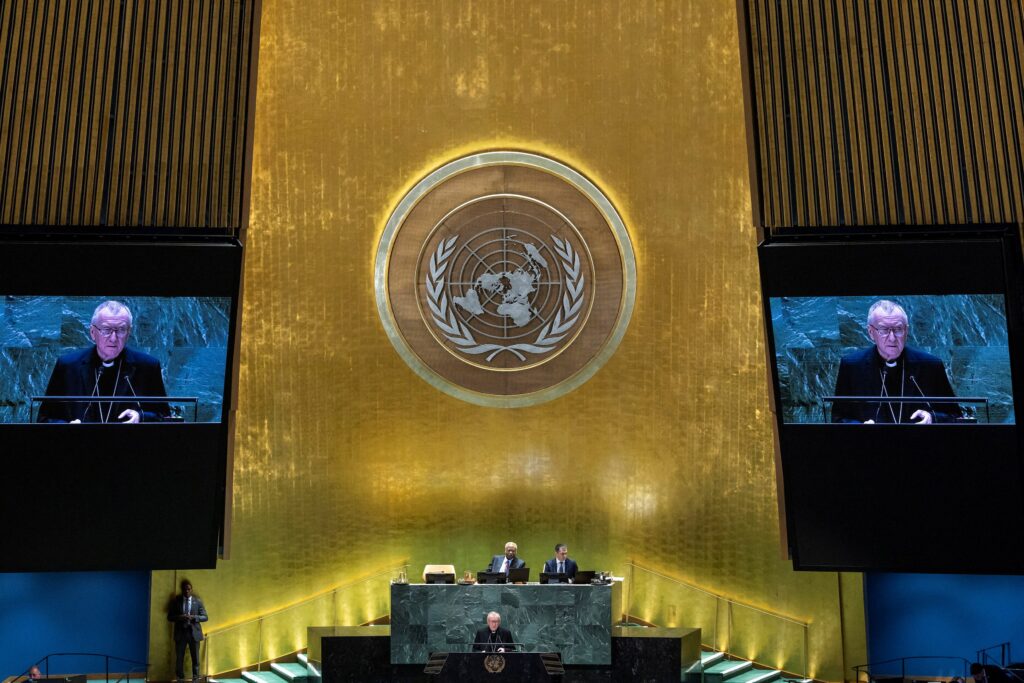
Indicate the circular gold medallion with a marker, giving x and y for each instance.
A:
(505, 278)
(494, 664)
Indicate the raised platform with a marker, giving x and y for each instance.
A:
(574, 620)
(638, 655)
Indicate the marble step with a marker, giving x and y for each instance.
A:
(709, 658)
(302, 657)
(262, 677)
(292, 672)
(756, 676)
(725, 670)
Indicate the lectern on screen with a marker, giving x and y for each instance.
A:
(115, 422)
(896, 364)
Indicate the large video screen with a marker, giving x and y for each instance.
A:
(829, 349)
(102, 361)
(116, 376)
(896, 364)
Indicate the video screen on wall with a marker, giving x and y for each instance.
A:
(831, 349)
(107, 355)
(116, 359)
(896, 370)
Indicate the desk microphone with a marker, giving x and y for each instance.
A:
(128, 379)
(927, 403)
(881, 393)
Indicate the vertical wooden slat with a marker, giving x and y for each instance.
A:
(242, 112)
(219, 72)
(133, 185)
(976, 72)
(148, 171)
(57, 178)
(122, 114)
(1009, 34)
(19, 164)
(187, 107)
(86, 90)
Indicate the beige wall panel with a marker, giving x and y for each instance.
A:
(347, 463)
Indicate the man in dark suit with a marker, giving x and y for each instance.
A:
(503, 563)
(892, 369)
(561, 563)
(187, 612)
(493, 638)
(107, 370)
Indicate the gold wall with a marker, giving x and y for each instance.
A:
(347, 463)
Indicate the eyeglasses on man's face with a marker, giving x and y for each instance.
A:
(899, 331)
(108, 332)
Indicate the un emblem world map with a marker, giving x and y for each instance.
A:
(505, 278)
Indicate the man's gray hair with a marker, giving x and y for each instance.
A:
(493, 614)
(112, 308)
(887, 308)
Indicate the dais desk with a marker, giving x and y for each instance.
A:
(574, 620)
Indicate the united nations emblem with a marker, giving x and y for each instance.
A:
(494, 664)
(505, 278)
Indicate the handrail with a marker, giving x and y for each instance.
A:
(45, 662)
(718, 642)
(718, 596)
(215, 636)
(1004, 653)
(306, 601)
(903, 664)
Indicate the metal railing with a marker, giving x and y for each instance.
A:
(255, 641)
(1005, 657)
(727, 625)
(120, 674)
(940, 667)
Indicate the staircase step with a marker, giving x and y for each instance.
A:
(709, 658)
(262, 677)
(211, 679)
(302, 657)
(726, 670)
(292, 672)
(756, 676)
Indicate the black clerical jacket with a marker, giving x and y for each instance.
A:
(916, 373)
(488, 641)
(80, 373)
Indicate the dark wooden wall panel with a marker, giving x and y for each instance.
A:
(885, 112)
(125, 113)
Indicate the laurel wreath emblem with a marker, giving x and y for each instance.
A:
(458, 333)
(494, 664)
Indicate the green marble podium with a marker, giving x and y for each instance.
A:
(573, 620)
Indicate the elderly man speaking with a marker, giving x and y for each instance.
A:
(890, 368)
(103, 371)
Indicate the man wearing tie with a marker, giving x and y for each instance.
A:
(187, 612)
(493, 638)
(503, 563)
(561, 563)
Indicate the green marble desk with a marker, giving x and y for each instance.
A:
(573, 620)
